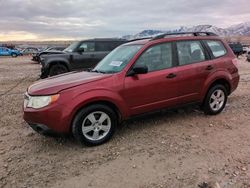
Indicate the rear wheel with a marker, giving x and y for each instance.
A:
(94, 125)
(215, 100)
(57, 69)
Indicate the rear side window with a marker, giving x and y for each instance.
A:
(106, 45)
(190, 52)
(217, 48)
(103, 46)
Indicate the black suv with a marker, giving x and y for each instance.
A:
(78, 56)
(237, 48)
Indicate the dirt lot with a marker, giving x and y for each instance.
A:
(182, 148)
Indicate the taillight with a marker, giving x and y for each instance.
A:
(235, 62)
(234, 69)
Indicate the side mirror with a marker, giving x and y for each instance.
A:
(80, 50)
(138, 70)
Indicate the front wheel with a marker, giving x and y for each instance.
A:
(94, 125)
(57, 69)
(215, 100)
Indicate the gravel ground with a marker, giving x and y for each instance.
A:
(181, 148)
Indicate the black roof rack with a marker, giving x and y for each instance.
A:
(184, 33)
(140, 39)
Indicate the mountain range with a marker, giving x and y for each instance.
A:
(242, 29)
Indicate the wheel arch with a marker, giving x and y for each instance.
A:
(219, 81)
(103, 102)
(58, 62)
(222, 81)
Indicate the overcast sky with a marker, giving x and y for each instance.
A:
(75, 19)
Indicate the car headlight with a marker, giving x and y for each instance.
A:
(37, 102)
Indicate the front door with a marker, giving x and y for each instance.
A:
(83, 57)
(155, 89)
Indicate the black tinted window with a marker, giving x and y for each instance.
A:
(103, 46)
(157, 57)
(107, 45)
(190, 52)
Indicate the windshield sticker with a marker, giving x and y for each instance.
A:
(116, 63)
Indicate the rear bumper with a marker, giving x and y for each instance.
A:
(235, 83)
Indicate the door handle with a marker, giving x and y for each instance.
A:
(171, 75)
(209, 67)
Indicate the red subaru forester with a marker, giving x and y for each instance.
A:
(144, 75)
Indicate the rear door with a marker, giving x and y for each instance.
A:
(193, 69)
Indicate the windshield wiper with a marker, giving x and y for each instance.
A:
(98, 71)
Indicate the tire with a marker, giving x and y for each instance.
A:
(215, 100)
(13, 55)
(96, 131)
(57, 69)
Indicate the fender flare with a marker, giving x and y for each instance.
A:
(95, 96)
(219, 75)
(54, 61)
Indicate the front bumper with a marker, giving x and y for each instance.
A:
(50, 119)
(42, 129)
(34, 58)
(44, 72)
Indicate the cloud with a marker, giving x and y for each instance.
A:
(75, 19)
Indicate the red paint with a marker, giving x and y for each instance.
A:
(131, 95)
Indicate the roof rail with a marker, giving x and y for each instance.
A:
(140, 39)
(184, 33)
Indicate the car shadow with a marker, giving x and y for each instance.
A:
(135, 125)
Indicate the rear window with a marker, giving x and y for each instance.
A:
(217, 48)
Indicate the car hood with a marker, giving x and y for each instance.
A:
(52, 52)
(61, 82)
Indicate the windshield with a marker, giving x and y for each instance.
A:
(71, 47)
(117, 59)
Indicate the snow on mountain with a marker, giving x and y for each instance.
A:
(208, 28)
(143, 34)
(240, 29)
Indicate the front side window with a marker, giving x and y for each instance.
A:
(87, 47)
(156, 58)
(190, 52)
(72, 47)
(217, 48)
(117, 59)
